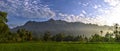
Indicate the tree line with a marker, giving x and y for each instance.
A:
(22, 35)
(60, 37)
(108, 37)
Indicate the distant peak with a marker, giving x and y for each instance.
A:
(30, 21)
(51, 19)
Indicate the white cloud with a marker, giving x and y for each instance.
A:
(84, 12)
(112, 2)
(103, 16)
(110, 15)
(82, 15)
(96, 6)
(26, 8)
(74, 18)
(85, 4)
(34, 9)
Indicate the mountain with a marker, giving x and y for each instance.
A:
(57, 26)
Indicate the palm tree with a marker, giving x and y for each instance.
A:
(101, 32)
(116, 29)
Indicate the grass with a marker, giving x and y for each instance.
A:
(54, 46)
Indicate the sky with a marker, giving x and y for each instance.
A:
(101, 12)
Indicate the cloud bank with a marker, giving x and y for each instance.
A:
(104, 15)
(104, 12)
(26, 8)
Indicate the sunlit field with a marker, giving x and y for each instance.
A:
(61, 46)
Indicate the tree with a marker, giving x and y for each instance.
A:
(108, 37)
(3, 26)
(79, 38)
(29, 36)
(86, 39)
(47, 36)
(116, 31)
(4, 30)
(60, 37)
(96, 38)
(3, 17)
(24, 34)
(101, 32)
(117, 38)
(21, 33)
(69, 38)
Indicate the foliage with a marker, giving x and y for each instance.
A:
(96, 38)
(58, 37)
(3, 16)
(7, 36)
(47, 36)
(4, 30)
(24, 35)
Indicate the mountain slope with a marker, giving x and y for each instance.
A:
(57, 26)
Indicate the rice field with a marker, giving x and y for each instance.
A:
(58, 46)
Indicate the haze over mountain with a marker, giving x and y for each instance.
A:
(58, 26)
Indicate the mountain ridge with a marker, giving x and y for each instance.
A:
(57, 26)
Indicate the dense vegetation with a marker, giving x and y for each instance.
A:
(7, 36)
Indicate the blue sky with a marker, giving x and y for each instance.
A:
(102, 12)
